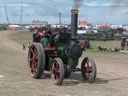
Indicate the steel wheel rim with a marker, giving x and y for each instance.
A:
(55, 72)
(33, 60)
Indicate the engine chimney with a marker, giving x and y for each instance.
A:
(74, 50)
(74, 20)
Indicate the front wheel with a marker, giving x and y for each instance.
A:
(57, 71)
(88, 69)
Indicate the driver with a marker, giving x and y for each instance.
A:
(36, 36)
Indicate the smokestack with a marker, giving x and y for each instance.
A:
(74, 50)
(74, 20)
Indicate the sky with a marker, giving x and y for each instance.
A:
(94, 11)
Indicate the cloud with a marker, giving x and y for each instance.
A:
(125, 12)
(102, 4)
(97, 11)
(13, 5)
(122, 7)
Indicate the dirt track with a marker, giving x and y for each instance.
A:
(112, 77)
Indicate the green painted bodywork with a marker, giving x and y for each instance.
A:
(44, 42)
(60, 53)
(56, 39)
(69, 61)
(72, 63)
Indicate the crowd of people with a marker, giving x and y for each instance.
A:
(48, 32)
(37, 37)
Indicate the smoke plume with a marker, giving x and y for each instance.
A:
(121, 6)
(77, 3)
(120, 3)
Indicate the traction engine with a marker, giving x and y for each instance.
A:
(59, 53)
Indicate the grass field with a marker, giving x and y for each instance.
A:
(108, 44)
(24, 37)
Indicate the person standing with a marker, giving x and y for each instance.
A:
(36, 36)
(24, 47)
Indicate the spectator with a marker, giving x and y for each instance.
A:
(24, 47)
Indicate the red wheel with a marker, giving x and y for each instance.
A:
(57, 71)
(88, 69)
(36, 60)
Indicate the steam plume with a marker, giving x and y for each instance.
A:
(121, 5)
(77, 3)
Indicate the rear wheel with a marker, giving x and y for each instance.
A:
(36, 60)
(88, 70)
(57, 71)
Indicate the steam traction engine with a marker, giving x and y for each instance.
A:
(61, 57)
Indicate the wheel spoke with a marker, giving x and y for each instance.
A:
(54, 76)
(57, 69)
(36, 57)
(88, 76)
(32, 68)
(30, 59)
(33, 60)
(35, 67)
(53, 67)
(89, 69)
(57, 72)
(87, 63)
(57, 76)
(36, 63)
(32, 51)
